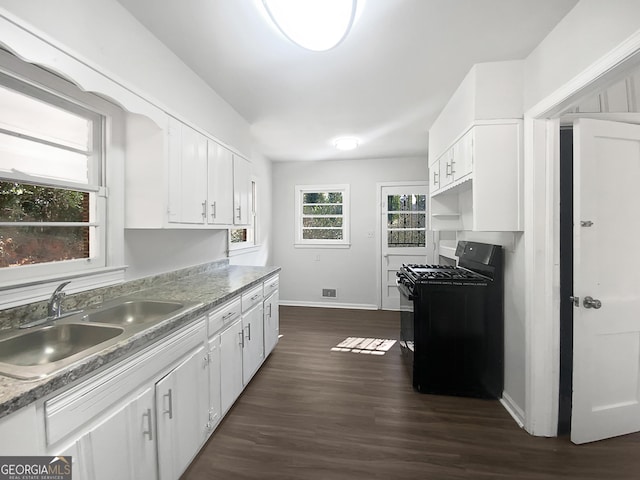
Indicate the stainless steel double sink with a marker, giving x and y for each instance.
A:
(38, 352)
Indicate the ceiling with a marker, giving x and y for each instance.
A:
(385, 83)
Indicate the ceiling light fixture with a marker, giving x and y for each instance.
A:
(316, 25)
(346, 143)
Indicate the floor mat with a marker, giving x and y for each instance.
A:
(369, 346)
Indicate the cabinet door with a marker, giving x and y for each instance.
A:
(446, 168)
(462, 158)
(142, 433)
(253, 351)
(434, 175)
(220, 185)
(271, 322)
(231, 341)
(241, 191)
(214, 382)
(128, 436)
(181, 414)
(193, 176)
(73, 450)
(187, 174)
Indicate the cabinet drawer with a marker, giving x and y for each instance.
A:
(224, 315)
(270, 285)
(251, 298)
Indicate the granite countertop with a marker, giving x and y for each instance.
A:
(207, 289)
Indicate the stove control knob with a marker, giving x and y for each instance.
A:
(590, 302)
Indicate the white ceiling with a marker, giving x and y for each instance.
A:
(386, 83)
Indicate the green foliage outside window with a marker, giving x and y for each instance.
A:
(23, 245)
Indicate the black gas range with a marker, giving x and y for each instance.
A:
(452, 323)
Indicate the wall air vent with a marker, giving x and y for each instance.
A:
(329, 293)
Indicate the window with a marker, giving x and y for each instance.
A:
(52, 195)
(406, 220)
(322, 215)
(246, 237)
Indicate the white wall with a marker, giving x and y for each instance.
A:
(351, 271)
(583, 46)
(587, 33)
(104, 36)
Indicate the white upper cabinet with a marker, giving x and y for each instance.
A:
(220, 185)
(476, 153)
(187, 174)
(177, 177)
(241, 191)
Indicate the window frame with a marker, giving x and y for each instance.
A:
(252, 229)
(24, 284)
(300, 241)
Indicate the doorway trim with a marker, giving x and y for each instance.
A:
(378, 238)
(541, 233)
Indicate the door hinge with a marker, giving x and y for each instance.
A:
(575, 301)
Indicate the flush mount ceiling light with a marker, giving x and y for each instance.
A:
(346, 143)
(316, 25)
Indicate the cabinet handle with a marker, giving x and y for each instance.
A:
(241, 338)
(204, 209)
(435, 177)
(255, 297)
(448, 169)
(228, 315)
(249, 332)
(206, 361)
(239, 212)
(149, 431)
(213, 211)
(170, 411)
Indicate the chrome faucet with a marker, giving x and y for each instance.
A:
(54, 307)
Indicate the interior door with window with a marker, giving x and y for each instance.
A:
(403, 235)
(606, 351)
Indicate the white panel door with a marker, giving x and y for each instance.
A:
(403, 235)
(606, 351)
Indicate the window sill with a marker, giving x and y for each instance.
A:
(233, 252)
(322, 245)
(38, 289)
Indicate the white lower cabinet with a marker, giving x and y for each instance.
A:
(253, 348)
(231, 364)
(213, 358)
(182, 414)
(127, 435)
(148, 417)
(271, 322)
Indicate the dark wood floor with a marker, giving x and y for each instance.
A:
(311, 413)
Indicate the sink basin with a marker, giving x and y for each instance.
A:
(53, 343)
(133, 312)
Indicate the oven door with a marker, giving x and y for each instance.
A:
(406, 322)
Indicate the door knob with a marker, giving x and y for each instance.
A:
(590, 302)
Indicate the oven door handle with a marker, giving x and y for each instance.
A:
(404, 290)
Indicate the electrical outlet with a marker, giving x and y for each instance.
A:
(329, 292)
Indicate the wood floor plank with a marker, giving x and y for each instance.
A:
(311, 413)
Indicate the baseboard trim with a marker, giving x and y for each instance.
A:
(352, 306)
(512, 407)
